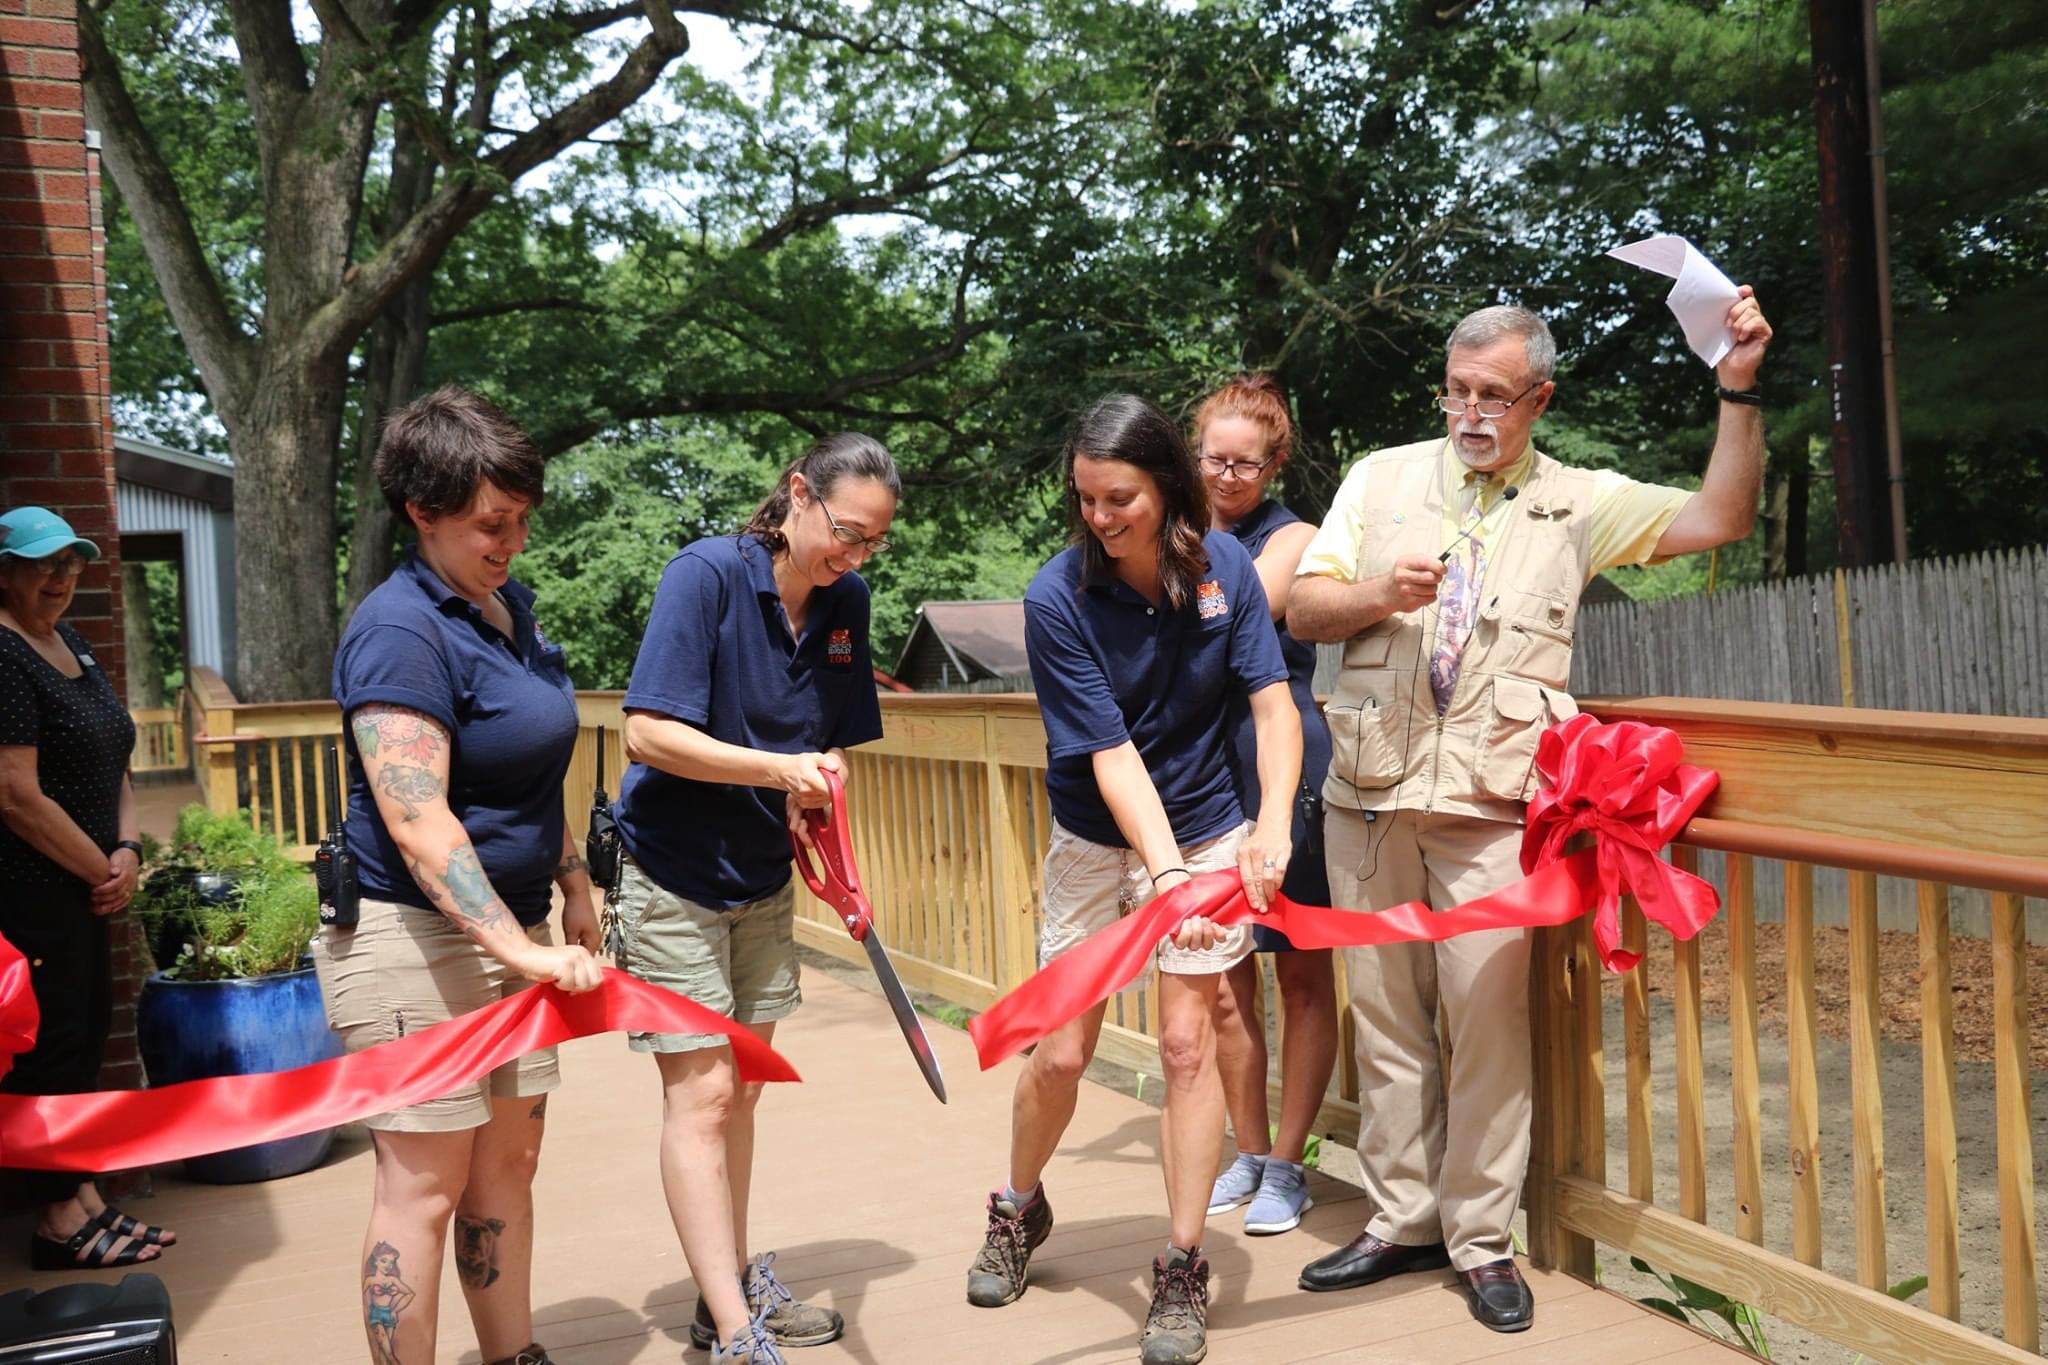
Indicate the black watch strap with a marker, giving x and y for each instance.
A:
(1753, 397)
(128, 844)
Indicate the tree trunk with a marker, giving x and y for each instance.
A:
(397, 357)
(284, 449)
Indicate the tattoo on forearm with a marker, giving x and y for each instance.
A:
(569, 866)
(463, 892)
(476, 1249)
(410, 787)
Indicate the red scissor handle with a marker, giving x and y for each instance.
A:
(832, 838)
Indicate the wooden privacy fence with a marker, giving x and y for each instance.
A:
(950, 823)
(1953, 635)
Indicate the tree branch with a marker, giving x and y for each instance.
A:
(507, 306)
(470, 189)
(191, 289)
(273, 72)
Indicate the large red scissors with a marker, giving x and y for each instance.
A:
(840, 889)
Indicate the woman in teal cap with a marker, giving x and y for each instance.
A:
(69, 852)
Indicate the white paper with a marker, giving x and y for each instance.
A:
(1700, 298)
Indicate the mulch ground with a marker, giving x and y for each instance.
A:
(1898, 971)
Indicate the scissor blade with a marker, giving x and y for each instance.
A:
(906, 1014)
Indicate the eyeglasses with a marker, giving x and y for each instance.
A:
(846, 535)
(57, 566)
(1486, 407)
(1237, 469)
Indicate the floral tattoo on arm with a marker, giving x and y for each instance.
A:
(462, 891)
(401, 749)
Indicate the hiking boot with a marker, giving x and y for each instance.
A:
(753, 1344)
(791, 1323)
(1282, 1199)
(1239, 1182)
(997, 1275)
(534, 1354)
(1177, 1328)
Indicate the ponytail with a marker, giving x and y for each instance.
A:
(830, 460)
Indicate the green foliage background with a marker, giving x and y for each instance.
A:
(955, 225)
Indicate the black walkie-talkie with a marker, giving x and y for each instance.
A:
(334, 867)
(601, 845)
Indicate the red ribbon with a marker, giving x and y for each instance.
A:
(115, 1129)
(1622, 783)
(17, 1006)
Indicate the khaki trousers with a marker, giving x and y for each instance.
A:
(1444, 1155)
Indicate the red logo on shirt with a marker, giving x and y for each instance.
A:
(839, 648)
(1210, 602)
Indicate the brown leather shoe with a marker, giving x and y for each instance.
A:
(1366, 1259)
(1499, 1297)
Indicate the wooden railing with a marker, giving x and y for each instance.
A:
(159, 740)
(950, 823)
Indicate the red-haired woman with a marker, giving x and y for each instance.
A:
(1243, 436)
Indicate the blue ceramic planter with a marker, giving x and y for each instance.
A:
(190, 1030)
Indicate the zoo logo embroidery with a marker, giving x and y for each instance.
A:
(1210, 602)
(839, 648)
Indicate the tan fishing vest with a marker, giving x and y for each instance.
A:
(1390, 749)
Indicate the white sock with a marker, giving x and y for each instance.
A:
(1017, 1199)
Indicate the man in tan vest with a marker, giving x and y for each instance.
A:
(1451, 571)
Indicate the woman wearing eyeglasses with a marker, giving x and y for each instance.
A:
(1244, 436)
(69, 851)
(753, 678)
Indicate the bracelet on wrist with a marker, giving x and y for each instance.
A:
(1751, 397)
(1169, 872)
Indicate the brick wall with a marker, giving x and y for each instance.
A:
(56, 419)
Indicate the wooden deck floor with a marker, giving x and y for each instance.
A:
(872, 1195)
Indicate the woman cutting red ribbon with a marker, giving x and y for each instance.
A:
(1139, 634)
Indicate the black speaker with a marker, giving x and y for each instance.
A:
(89, 1324)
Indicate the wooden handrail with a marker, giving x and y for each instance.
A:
(1989, 871)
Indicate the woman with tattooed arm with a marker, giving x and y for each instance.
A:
(461, 718)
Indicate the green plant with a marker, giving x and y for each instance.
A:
(1700, 1304)
(223, 900)
(1311, 1151)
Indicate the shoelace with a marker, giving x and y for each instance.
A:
(1178, 1299)
(764, 1290)
(758, 1344)
(1003, 1251)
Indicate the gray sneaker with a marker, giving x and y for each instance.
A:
(997, 1275)
(1239, 1182)
(790, 1323)
(1177, 1327)
(753, 1344)
(1282, 1199)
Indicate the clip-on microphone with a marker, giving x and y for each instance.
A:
(1508, 494)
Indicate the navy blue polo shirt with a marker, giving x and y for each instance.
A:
(507, 703)
(718, 654)
(1110, 667)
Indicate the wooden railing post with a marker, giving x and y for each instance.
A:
(1557, 982)
(1016, 923)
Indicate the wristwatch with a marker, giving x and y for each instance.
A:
(127, 844)
(1753, 397)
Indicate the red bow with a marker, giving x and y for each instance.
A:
(1625, 784)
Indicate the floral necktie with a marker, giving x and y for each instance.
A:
(1457, 601)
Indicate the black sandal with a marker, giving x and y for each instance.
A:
(47, 1253)
(122, 1225)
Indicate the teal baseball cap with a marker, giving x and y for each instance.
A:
(37, 532)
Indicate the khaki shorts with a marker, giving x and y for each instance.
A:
(1089, 886)
(740, 962)
(401, 969)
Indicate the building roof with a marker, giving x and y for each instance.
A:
(989, 635)
(150, 465)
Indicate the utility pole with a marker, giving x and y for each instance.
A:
(1851, 282)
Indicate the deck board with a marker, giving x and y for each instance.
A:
(872, 1195)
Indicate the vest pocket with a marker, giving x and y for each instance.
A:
(1516, 718)
(1364, 753)
(1542, 640)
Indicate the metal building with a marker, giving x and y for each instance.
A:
(178, 508)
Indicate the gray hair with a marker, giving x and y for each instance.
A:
(1489, 325)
